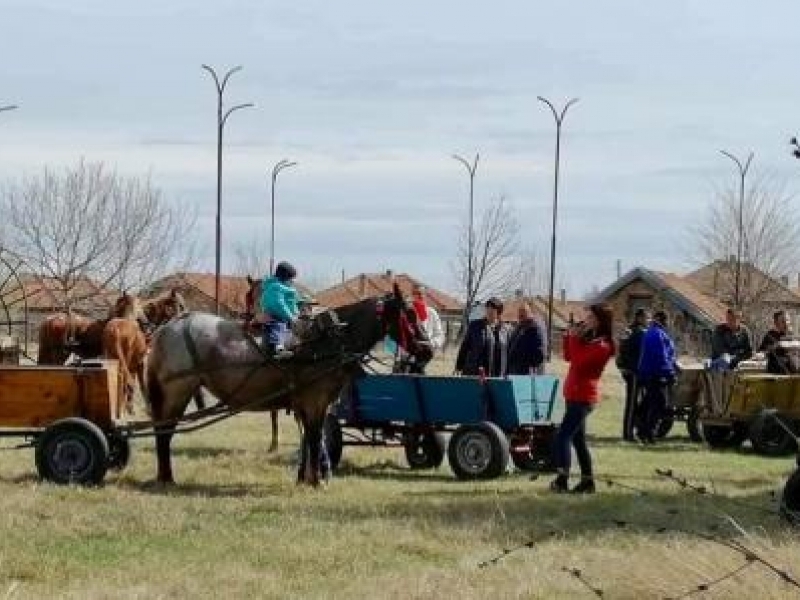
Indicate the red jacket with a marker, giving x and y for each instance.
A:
(586, 363)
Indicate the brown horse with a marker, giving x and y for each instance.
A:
(63, 334)
(203, 350)
(124, 341)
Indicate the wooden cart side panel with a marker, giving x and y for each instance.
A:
(767, 392)
(35, 397)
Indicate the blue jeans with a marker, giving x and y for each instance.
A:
(276, 333)
(572, 432)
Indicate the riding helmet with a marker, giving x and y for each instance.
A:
(285, 272)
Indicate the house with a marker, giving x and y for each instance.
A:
(199, 292)
(43, 296)
(564, 312)
(692, 313)
(718, 278)
(374, 285)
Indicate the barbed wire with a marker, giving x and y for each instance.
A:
(578, 574)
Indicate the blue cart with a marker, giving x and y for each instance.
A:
(491, 421)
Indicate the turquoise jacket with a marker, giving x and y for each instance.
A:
(279, 300)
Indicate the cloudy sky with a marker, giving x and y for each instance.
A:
(372, 98)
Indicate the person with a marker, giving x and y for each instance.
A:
(279, 301)
(656, 375)
(630, 349)
(526, 348)
(588, 346)
(778, 360)
(485, 344)
(428, 318)
(730, 342)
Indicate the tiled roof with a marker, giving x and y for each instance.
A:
(708, 305)
(232, 288)
(371, 285)
(715, 279)
(45, 294)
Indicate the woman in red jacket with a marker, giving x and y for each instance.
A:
(588, 346)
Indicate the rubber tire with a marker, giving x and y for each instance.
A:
(769, 438)
(481, 437)
(790, 500)
(693, 427)
(119, 451)
(79, 435)
(334, 440)
(723, 436)
(664, 426)
(424, 450)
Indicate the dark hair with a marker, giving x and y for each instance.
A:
(495, 303)
(605, 320)
(778, 314)
(661, 317)
(285, 272)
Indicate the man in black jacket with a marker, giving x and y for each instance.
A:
(526, 347)
(630, 350)
(485, 344)
(730, 343)
(778, 360)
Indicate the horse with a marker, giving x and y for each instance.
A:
(62, 334)
(204, 350)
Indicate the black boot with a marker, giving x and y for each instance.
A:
(586, 486)
(560, 485)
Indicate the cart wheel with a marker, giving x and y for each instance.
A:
(693, 425)
(790, 501)
(424, 450)
(478, 451)
(664, 426)
(72, 451)
(769, 438)
(119, 451)
(724, 436)
(334, 440)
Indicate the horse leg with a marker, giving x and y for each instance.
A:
(311, 445)
(273, 415)
(199, 401)
(162, 412)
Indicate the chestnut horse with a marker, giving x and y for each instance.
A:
(204, 350)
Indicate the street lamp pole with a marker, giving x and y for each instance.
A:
(279, 166)
(471, 170)
(559, 118)
(742, 168)
(222, 118)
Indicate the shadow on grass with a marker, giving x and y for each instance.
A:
(200, 490)
(208, 451)
(388, 470)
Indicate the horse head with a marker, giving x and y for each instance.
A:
(127, 306)
(401, 323)
(165, 309)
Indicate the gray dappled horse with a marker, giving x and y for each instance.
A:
(202, 350)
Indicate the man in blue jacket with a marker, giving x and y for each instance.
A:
(279, 300)
(656, 374)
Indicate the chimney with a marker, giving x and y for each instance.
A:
(519, 294)
(342, 275)
(389, 274)
(619, 269)
(732, 259)
(785, 280)
(563, 296)
(798, 280)
(362, 285)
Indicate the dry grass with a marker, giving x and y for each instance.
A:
(236, 526)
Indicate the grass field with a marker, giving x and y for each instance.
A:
(236, 526)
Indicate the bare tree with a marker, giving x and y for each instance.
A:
(90, 222)
(770, 230)
(252, 258)
(495, 247)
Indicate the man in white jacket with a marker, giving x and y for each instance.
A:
(429, 318)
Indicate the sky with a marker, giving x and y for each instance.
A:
(372, 98)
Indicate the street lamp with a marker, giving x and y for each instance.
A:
(471, 170)
(559, 118)
(279, 166)
(222, 118)
(742, 174)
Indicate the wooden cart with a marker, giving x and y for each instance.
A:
(71, 415)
